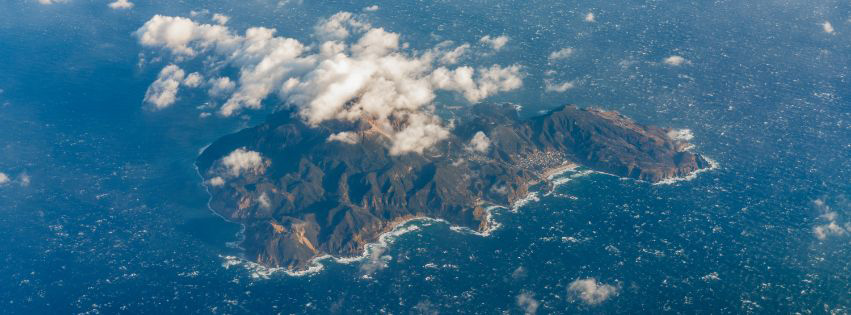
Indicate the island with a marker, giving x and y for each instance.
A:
(303, 192)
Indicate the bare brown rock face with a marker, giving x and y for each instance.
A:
(315, 197)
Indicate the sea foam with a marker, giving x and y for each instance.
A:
(691, 176)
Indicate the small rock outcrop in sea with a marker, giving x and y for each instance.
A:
(301, 195)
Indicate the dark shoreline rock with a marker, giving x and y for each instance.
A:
(317, 197)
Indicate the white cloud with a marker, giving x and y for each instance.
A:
(681, 134)
(4, 179)
(376, 260)
(163, 92)
(480, 142)
(240, 161)
(562, 87)
(425, 307)
(675, 61)
(266, 61)
(830, 227)
(177, 33)
(563, 53)
(23, 179)
(423, 131)
(827, 27)
(371, 78)
(376, 42)
(527, 302)
(264, 201)
(371, 8)
(490, 80)
(519, 273)
(339, 26)
(345, 137)
(497, 43)
(591, 292)
(203, 12)
(121, 4)
(221, 87)
(193, 80)
(453, 56)
(823, 231)
(217, 181)
(52, 1)
(221, 19)
(590, 17)
(282, 3)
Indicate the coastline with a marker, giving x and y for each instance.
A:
(240, 236)
(403, 226)
(713, 165)
(385, 239)
(549, 174)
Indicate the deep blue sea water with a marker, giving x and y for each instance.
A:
(114, 218)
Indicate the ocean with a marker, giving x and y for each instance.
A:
(105, 213)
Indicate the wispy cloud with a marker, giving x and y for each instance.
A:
(591, 292)
(827, 27)
(527, 302)
(121, 5)
(242, 161)
(675, 61)
(563, 53)
(494, 42)
(163, 92)
(830, 225)
(52, 1)
(560, 87)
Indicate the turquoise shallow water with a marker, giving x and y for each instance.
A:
(114, 217)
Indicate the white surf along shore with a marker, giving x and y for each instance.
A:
(317, 264)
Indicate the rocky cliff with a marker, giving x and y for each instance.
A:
(312, 195)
